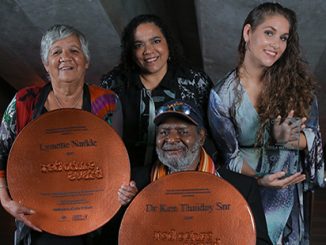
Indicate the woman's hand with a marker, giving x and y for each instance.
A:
(277, 180)
(288, 132)
(127, 192)
(19, 212)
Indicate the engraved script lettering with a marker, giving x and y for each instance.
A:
(76, 170)
(187, 237)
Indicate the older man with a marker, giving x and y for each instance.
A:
(180, 136)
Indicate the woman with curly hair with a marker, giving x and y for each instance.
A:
(151, 72)
(264, 114)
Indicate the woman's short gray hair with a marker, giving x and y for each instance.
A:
(58, 32)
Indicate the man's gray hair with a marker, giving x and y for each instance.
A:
(58, 32)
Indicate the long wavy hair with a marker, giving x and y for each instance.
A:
(127, 62)
(287, 84)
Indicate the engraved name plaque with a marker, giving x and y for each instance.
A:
(188, 208)
(68, 165)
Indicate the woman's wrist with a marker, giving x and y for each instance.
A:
(258, 175)
(4, 195)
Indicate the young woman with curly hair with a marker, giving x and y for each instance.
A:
(264, 114)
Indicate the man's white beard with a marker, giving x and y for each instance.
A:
(182, 163)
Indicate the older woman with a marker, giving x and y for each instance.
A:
(65, 56)
(150, 74)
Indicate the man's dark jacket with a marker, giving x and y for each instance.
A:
(248, 187)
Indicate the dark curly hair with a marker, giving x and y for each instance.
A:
(127, 63)
(287, 84)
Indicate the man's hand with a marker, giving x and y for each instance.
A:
(127, 192)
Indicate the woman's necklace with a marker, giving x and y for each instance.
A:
(74, 105)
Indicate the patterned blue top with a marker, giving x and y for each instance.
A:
(234, 123)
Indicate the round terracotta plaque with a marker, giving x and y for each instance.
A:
(68, 165)
(188, 208)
